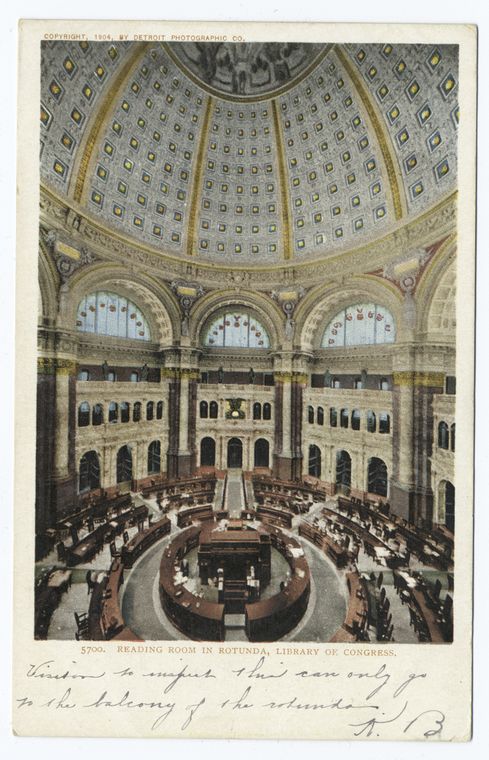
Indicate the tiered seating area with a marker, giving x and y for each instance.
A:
(105, 616)
(382, 557)
(431, 612)
(404, 540)
(81, 536)
(276, 501)
(387, 541)
(295, 497)
(173, 494)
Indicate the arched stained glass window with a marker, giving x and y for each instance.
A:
(110, 314)
(237, 329)
(358, 325)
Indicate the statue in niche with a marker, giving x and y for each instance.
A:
(289, 327)
(364, 378)
(185, 325)
(251, 376)
(186, 305)
(144, 372)
(105, 370)
(327, 379)
(220, 375)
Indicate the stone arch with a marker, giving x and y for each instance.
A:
(261, 452)
(89, 470)
(152, 297)
(48, 288)
(266, 311)
(207, 449)
(320, 305)
(436, 298)
(343, 472)
(446, 503)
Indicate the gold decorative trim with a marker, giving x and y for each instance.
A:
(175, 373)
(418, 379)
(291, 377)
(49, 365)
(46, 366)
(100, 117)
(285, 208)
(245, 98)
(282, 377)
(196, 191)
(389, 161)
(189, 374)
(422, 230)
(300, 378)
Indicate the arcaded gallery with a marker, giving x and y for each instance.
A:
(246, 343)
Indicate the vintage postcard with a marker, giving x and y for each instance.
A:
(245, 370)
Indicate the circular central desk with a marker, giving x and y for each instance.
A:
(265, 620)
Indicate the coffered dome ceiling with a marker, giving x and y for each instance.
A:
(249, 154)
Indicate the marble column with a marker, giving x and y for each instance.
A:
(411, 495)
(282, 458)
(64, 470)
(288, 432)
(45, 434)
(182, 422)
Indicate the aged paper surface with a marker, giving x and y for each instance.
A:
(326, 687)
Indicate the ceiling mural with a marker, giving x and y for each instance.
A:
(252, 153)
(247, 69)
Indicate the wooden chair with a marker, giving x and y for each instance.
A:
(82, 621)
(90, 583)
(113, 550)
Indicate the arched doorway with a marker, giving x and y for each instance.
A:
(314, 467)
(446, 504)
(377, 476)
(343, 472)
(262, 453)
(89, 477)
(235, 453)
(124, 464)
(154, 457)
(207, 452)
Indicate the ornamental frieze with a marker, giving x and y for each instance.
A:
(422, 231)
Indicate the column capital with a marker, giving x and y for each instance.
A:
(291, 377)
(50, 365)
(180, 373)
(282, 377)
(412, 379)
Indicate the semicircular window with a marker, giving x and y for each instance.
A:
(237, 329)
(358, 325)
(106, 313)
